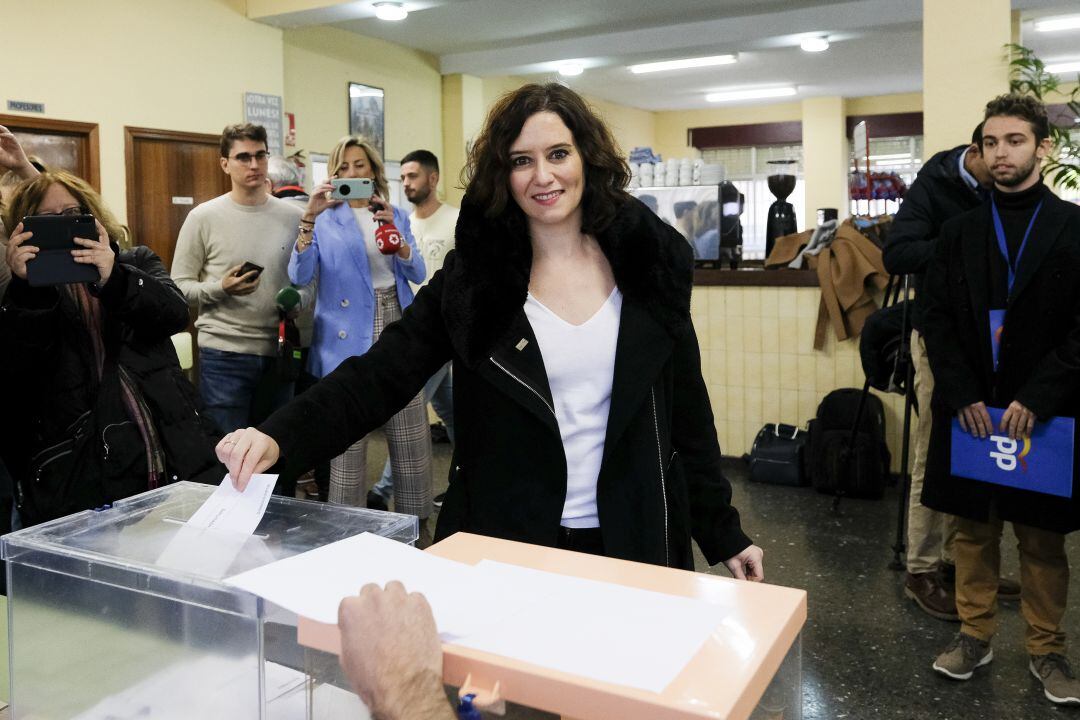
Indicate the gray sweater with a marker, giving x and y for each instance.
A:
(218, 235)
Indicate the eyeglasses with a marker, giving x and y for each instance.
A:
(246, 158)
(69, 212)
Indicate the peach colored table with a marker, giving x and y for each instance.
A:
(726, 678)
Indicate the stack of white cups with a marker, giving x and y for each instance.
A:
(645, 174)
(660, 174)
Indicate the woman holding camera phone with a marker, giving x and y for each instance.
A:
(581, 415)
(105, 410)
(361, 290)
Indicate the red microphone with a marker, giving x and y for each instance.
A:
(388, 238)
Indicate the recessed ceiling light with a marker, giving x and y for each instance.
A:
(1065, 66)
(683, 64)
(750, 94)
(570, 69)
(1054, 24)
(815, 44)
(390, 11)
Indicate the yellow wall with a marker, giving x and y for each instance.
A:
(672, 126)
(825, 157)
(320, 63)
(952, 108)
(462, 116)
(151, 66)
(884, 104)
(760, 365)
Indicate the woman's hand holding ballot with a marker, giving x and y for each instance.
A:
(246, 452)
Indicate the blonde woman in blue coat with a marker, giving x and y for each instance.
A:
(361, 291)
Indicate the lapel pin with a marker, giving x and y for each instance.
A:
(521, 344)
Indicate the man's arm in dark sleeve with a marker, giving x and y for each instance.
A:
(909, 246)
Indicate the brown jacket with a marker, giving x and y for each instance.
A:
(848, 270)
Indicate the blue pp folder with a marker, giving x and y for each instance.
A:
(1042, 463)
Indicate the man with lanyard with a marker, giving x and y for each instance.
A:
(1002, 329)
(949, 184)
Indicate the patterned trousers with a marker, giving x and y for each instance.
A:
(408, 440)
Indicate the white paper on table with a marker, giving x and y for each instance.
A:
(229, 510)
(314, 583)
(606, 632)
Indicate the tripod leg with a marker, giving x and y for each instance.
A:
(900, 546)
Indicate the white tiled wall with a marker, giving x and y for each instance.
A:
(759, 362)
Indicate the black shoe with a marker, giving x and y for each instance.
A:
(438, 500)
(375, 501)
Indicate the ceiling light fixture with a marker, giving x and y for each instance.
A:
(392, 11)
(1055, 24)
(684, 64)
(750, 94)
(570, 69)
(815, 44)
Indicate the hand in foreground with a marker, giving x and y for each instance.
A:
(244, 284)
(1018, 421)
(381, 209)
(320, 200)
(246, 452)
(747, 565)
(18, 254)
(12, 156)
(391, 653)
(97, 252)
(975, 419)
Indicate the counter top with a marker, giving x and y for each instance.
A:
(755, 277)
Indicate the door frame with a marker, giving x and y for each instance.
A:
(89, 131)
(131, 134)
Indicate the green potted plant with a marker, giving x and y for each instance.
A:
(1028, 75)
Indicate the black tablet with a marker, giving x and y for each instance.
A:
(55, 235)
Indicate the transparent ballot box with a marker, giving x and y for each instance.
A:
(123, 613)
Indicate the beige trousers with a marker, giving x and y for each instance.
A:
(1044, 582)
(929, 533)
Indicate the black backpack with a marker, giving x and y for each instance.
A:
(838, 466)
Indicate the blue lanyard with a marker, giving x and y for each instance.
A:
(999, 230)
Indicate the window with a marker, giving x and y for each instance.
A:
(900, 155)
(748, 170)
(1066, 194)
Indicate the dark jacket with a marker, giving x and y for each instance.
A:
(1039, 360)
(74, 446)
(660, 480)
(938, 193)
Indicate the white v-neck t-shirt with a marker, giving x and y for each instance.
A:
(580, 365)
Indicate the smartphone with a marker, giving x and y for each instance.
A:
(248, 267)
(55, 236)
(352, 188)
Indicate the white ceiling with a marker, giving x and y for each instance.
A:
(876, 44)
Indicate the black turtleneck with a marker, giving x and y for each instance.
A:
(1016, 209)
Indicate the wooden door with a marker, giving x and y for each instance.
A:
(71, 146)
(168, 173)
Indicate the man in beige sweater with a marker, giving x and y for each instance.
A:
(238, 318)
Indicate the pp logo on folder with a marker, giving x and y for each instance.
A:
(1042, 463)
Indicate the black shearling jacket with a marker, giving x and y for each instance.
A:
(660, 481)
